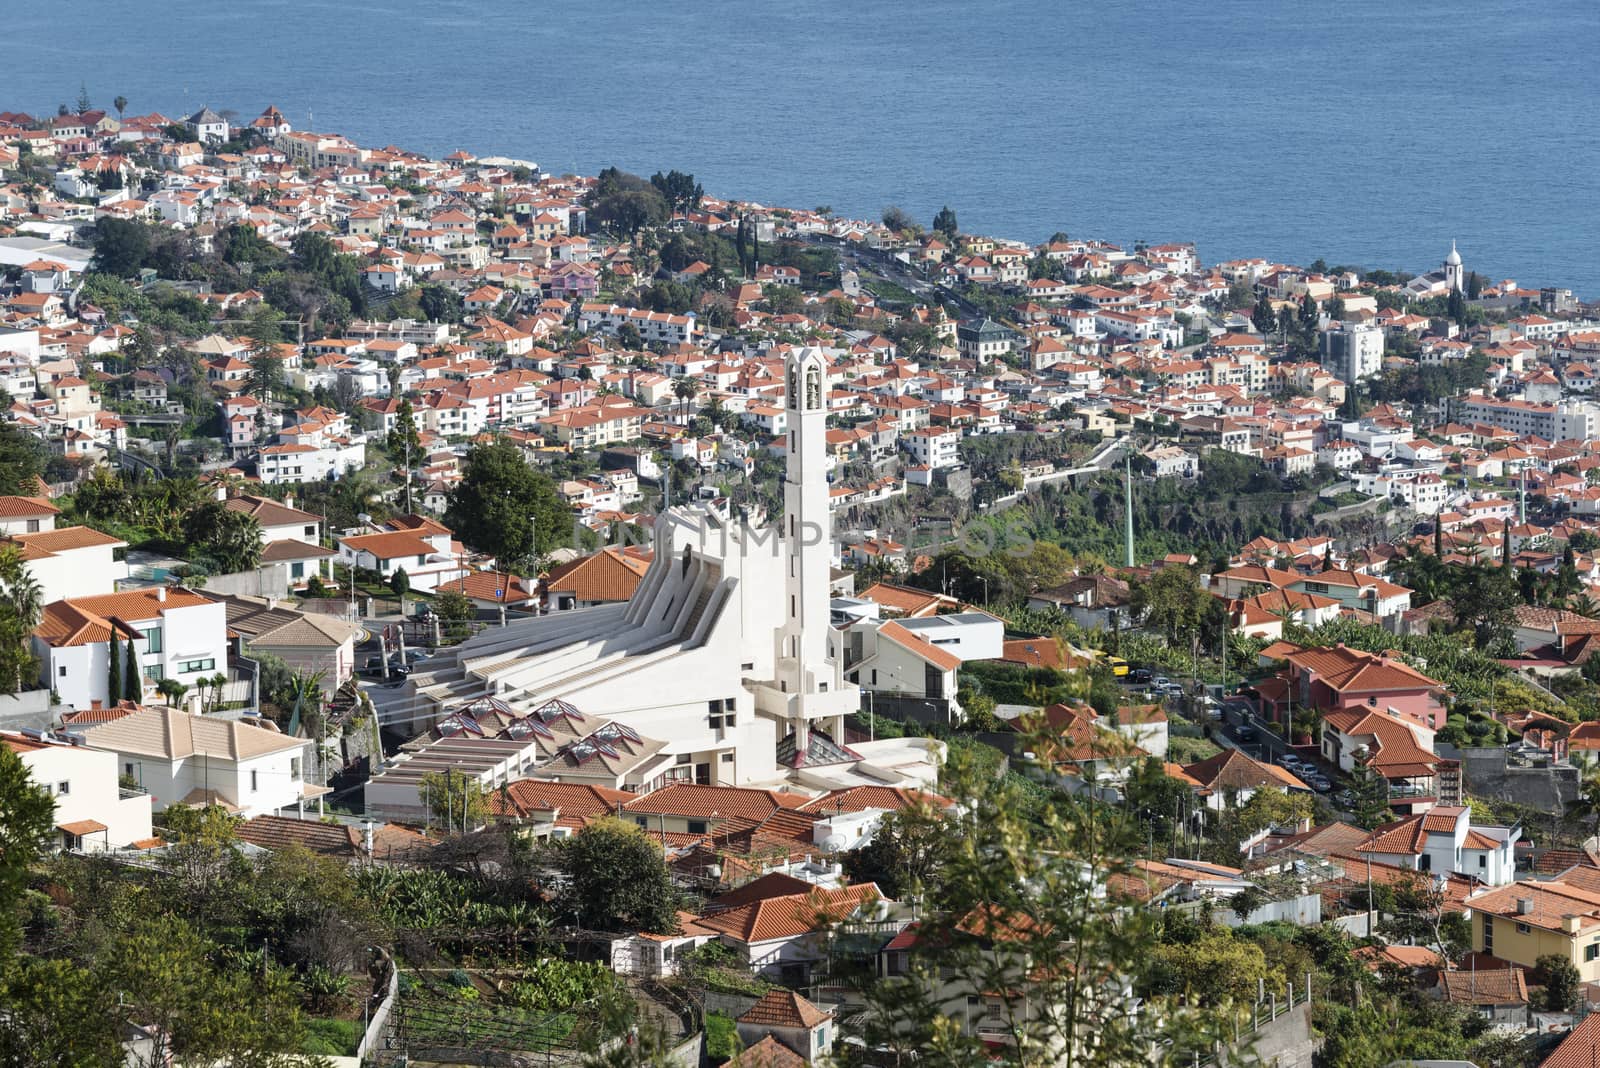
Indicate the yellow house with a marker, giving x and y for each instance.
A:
(1524, 921)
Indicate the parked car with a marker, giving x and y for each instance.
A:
(1247, 733)
(1318, 783)
(374, 667)
(1344, 799)
(1140, 676)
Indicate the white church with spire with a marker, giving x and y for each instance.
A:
(721, 662)
(1451, 277)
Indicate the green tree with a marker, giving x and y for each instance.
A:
(1562, 982)
(897, 219)
(625, 203)
(113, 671)
(1263, 318)
(1371, 792)
(1170, 601)
(132, 679)
(53, 1014)
(618, 879)
(21, 606)
(265, 331)
(400, 583)
(681, 190)
(945, 223)
(228, 539)
(507, 509)
(1035, 928)
(27, 821)
(905, 857)
(120, 246)
(453, 606)
(456, 801)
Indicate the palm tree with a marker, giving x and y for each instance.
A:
(684, 389)
(21, 592)
(21, 606)
(121, 104)
(1584, 605)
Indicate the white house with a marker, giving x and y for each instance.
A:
(72, 562)
(176, 634)
(1443, 840)
(425, 554)
(26, 515)
(92, 812)
(180, 759)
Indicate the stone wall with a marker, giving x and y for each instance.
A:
(1486, 773)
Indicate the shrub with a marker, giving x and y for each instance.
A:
(331, 1038)
(722, 1037)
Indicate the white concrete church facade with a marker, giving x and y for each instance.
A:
(723, 651)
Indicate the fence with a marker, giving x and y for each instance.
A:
(1267, 1011)
(378, 1024)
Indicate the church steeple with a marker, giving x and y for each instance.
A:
(807, 528)
(1454, 273)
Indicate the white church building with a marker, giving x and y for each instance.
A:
(722, 653)
(1451, 277)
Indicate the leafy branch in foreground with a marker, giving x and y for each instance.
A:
(1029, 951)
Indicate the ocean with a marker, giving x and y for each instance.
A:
(1367, 133)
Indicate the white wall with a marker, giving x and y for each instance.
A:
(83, 783)
(278, 782)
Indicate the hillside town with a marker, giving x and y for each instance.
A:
(504, 615)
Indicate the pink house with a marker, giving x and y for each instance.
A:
(1338, 679)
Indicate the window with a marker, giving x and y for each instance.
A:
(206, 664)
(1483, 861)
(685, 758)
(63, 788)
(127, 769)
(62, 671)
(311, 531)
(152, 639)
(255, 781)
(641, 821)
(1488, 935)
(294, 768)
(155, 673)
(727, 758)
(1523, 928)
(697, 826)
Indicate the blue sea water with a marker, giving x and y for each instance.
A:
(1367, 132)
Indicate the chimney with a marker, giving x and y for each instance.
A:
(1524, 906)
(161, 594)
(367, 828)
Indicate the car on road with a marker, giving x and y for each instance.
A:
(1247, 733)
(1344, 799)
(1292, 762)
(373, 668)
(1318, 783)
(1140, 676)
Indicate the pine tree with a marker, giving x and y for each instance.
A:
(113, 672)
(1263, 318)
(132, 685)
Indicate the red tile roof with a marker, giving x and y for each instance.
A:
(786, 1009)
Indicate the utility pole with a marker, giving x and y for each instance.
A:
(1127, 509)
